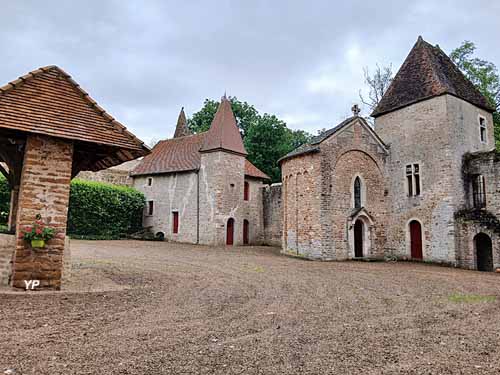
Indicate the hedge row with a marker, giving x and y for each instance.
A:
(4, 200)
(96, 210)
(103, 210)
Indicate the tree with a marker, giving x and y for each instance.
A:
(266, 138)
(378, 83)
(484, 75)
(245, 114)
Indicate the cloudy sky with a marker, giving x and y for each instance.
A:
(301, 60)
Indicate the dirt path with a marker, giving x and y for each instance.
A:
(158, 308)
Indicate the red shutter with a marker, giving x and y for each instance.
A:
(175, 226)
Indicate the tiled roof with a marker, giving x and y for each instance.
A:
(173, 155)
(182, 129)
(252, 171)
(428, 72)
(181, 155)
(47, 101)
(224, 133)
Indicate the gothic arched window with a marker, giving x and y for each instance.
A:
(357, 193)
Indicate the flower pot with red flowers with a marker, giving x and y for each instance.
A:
(38, 233)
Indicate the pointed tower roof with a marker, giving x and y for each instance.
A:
(182, 129)
(428, 72)
(224, 133)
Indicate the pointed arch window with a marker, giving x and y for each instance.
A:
(357, 192)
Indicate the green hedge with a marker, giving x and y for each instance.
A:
(98, 210)
(4, 200)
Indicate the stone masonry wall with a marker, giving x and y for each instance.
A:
(172, 192)
(7, 246)
(221, 198)
(487, 220)
(273, 215)
(45, 186)
(350, 153)
(301, 196)
(434, 133)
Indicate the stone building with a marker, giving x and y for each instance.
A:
(118, 175)
(422, 184)
(200, 188)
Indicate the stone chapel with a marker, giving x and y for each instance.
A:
(423, 183)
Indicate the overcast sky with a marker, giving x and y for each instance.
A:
(301, 60)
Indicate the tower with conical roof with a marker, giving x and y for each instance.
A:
(430, 117)
(222, 179)
(182, 129)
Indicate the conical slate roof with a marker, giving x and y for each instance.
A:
(428, 72)
(182, 129)
(224, 133)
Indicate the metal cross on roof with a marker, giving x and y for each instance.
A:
(355, 110)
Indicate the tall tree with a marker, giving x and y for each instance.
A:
(484, 75)
(377, 84)
(245, 114)
(266, 138)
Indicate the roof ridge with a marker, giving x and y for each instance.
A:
(85, 95)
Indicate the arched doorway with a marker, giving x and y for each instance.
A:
(230, 232)
(358, 238)
(416, 240)
(484, 252)
(246, 232)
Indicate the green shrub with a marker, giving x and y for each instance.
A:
(4, 200)
(98, 210)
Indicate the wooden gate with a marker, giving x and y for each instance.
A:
(358, 239)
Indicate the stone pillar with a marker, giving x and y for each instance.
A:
(44, 190)
(14, 196)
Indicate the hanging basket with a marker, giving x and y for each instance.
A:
(38, 244)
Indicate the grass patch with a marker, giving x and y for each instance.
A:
(471, 298)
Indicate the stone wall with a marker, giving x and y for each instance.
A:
(470, 221)
(217, 189)
(118, 175)
(318, 190)
(44, 190)
(221, 198)
(434, 133)
(7, 246)
(171, 192)
(273, 215)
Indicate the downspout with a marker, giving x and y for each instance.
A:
(198, 207)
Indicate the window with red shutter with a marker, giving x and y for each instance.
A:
(175, 222)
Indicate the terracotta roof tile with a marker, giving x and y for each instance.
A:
(252, 171)
(181, 155)
(428, 72)
(224, 133)
(47, 101)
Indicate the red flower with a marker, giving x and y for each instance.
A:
(38, 231)
(28, 229)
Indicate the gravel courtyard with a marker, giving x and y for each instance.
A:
(159, 308)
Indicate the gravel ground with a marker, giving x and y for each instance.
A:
(159, 308)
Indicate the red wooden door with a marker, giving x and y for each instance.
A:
(175, 226)
(416, 240)
(246, 232)
(230, 232)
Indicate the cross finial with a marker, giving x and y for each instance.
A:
(355, 110)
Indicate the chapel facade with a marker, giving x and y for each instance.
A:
(423, 183)
(200, 188)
